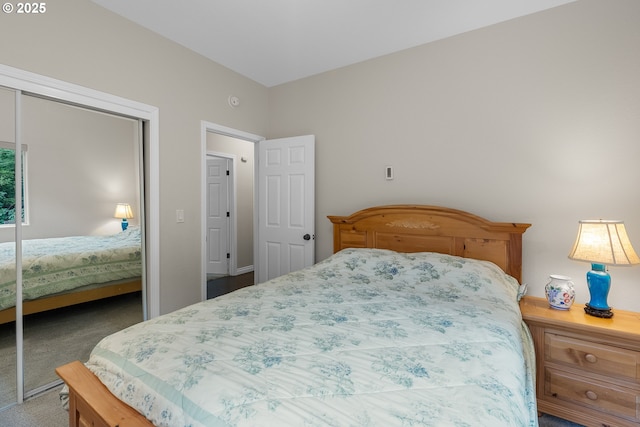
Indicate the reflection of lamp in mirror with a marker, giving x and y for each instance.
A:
(124, 212)
(602, 243)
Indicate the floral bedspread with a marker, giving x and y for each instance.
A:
(365, 338)
(51, 266)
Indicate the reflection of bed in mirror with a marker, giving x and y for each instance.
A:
(405, 324)
(64, 271)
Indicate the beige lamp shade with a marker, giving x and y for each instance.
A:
(123, 210)
(603, 242)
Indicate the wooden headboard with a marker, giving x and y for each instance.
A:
(420, 228)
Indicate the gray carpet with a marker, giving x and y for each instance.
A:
(55, 338)
(42, 411)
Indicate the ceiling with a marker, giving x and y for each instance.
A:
(278, 41)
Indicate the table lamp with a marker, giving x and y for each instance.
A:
(123, 210)
(602, 243)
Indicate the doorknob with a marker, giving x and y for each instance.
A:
(306, 237)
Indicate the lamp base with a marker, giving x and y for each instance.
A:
(605, 314)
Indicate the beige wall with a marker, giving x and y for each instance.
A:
(81, 43)
(534, 120)
(528, 120)
(7, 115)
(80, 163)
(244, 200)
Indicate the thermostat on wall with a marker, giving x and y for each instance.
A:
(388, 172)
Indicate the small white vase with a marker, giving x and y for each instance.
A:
(560, 292)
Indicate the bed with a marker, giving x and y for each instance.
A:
(406, 324)
(59, 272)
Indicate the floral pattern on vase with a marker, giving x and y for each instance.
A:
(560, 292)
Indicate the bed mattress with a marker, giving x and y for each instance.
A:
(367, 337)
(56, 265)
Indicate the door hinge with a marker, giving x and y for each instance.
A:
(227, 173)
(228, 255)
(228, 214)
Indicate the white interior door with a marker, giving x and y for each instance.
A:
(286, 210)
(217, 216)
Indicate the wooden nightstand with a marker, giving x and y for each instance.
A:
(587, 368)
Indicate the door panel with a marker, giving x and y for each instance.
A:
(8, 350)
(217, 219)
(286, 211)
(80, 164)
(57, 208)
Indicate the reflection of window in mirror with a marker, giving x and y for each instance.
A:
(8, 184)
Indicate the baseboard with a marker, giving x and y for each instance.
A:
(244, 270)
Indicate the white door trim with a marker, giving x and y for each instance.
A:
(234, 133)
(69, 92)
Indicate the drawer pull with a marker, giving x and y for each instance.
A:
(591, 395)
(590, 358)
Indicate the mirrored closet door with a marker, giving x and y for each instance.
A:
(8, 359)
(81, 240)
(82, 172)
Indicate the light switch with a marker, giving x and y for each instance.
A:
(179, 215)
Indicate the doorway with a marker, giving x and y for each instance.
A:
(282, 237)
(233, 151)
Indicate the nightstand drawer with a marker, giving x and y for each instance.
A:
(592, 357)
(602, 396)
